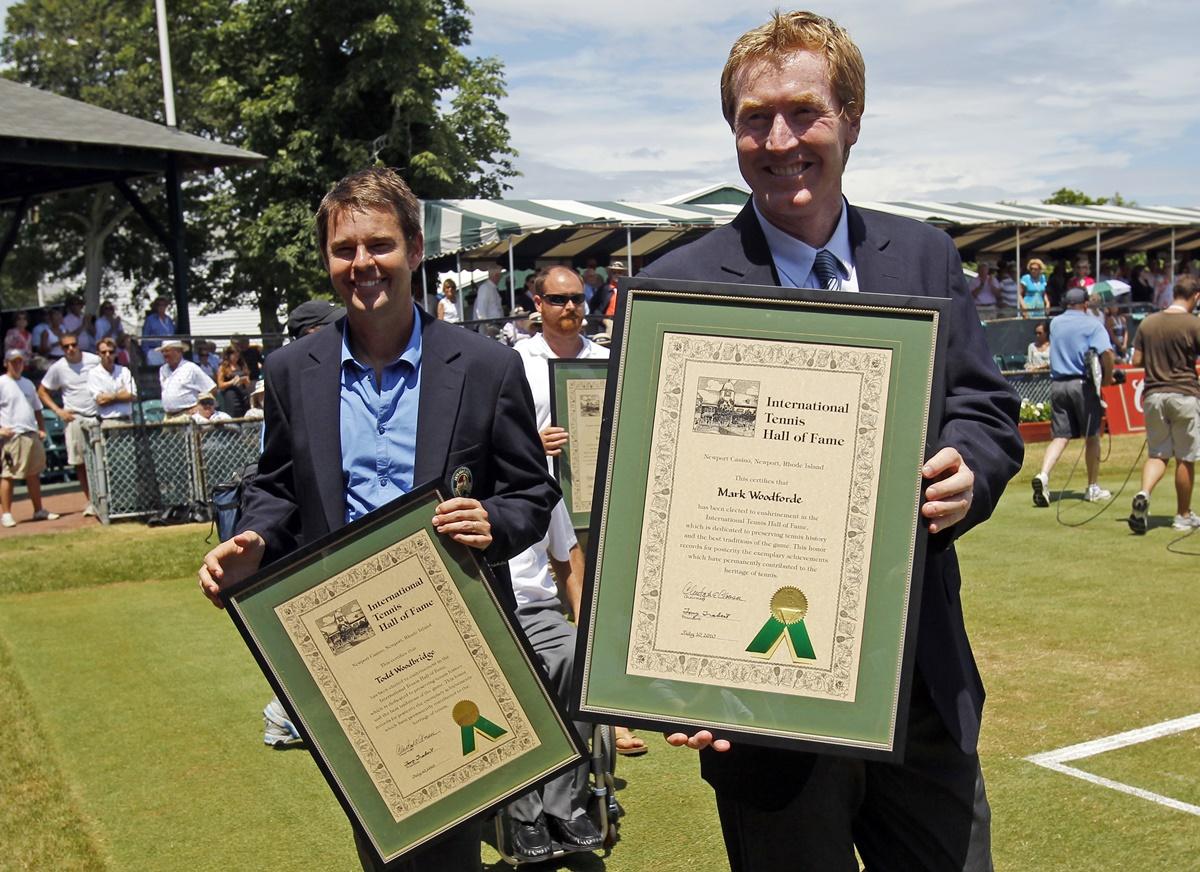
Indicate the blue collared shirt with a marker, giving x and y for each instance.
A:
(794, 259)
(379, 426)
(1071, 335)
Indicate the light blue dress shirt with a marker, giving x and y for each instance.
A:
(379, 426)
(794, 259)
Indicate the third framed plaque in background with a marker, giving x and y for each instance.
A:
(577, 405)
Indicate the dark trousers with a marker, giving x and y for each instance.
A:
(456, 851)
(929, 814)
(553, 639)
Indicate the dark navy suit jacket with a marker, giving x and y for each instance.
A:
(475, 411)
(897, 256)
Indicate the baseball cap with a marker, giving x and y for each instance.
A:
(1075, 296)
(260, 387)
(13, 354)
(312, 313)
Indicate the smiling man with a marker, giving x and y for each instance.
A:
(381, 401)
(793, 93)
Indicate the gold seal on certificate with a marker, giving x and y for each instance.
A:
(764, 461)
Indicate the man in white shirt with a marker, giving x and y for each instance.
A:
(556, 813)
(22, 430)
(558, 295)
(487, 298)
(69, 376)
(182, 382)
(207, 411)
(111, 386)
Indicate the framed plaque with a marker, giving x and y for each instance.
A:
(577, 405)
(756, 549)
(420, 702)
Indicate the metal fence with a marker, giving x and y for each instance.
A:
(137, 470)
(1032, 386)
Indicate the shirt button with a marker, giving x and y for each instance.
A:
(381, 429)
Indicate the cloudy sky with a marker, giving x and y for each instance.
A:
(966, 99)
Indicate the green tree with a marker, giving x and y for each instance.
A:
(321, 88)
(1072, 197)
(104, 52)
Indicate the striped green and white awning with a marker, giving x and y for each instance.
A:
(563, 229)
(486, 228)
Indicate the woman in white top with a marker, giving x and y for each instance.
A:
(1037, 356)
(448, 307)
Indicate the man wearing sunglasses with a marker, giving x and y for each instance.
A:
(556, 812)
(558, 296)
(69, 376)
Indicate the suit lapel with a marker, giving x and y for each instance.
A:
(319, 393)
(875, 267)
(749, 262)
(441, 393)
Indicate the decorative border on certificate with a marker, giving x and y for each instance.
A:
(503, 725)
(759, 522)
(769, 621)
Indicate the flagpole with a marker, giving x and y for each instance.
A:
(164, 51)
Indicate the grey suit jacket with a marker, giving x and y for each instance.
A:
(899, 256)
(475, 411)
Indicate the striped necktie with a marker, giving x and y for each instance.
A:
(825, 267)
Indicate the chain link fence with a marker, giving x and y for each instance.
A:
(137, 470)
(1032, 386)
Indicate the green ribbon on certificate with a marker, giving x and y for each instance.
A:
(466, 715)
(789, 605)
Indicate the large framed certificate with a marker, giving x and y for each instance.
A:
(577, 404)
(756, 546)
(420, 702)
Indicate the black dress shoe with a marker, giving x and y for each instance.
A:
(530, 841)
(579, 834)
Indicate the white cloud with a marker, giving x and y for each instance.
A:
(965, 98)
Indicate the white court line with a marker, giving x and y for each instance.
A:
(1056, 760)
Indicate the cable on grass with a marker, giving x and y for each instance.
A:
(1171, 545)
(1074, 466)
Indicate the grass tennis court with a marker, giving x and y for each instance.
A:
(130, 709)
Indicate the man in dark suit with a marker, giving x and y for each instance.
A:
(383, 400)
(792, 92)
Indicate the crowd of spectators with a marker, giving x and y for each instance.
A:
(1041, 288)
(225, 379)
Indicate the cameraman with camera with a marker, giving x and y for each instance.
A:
(1074, 397)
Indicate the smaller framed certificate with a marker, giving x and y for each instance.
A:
(420, 702)
(577, 405)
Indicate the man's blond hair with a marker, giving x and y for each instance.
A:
(374, 188)
(789, 32)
